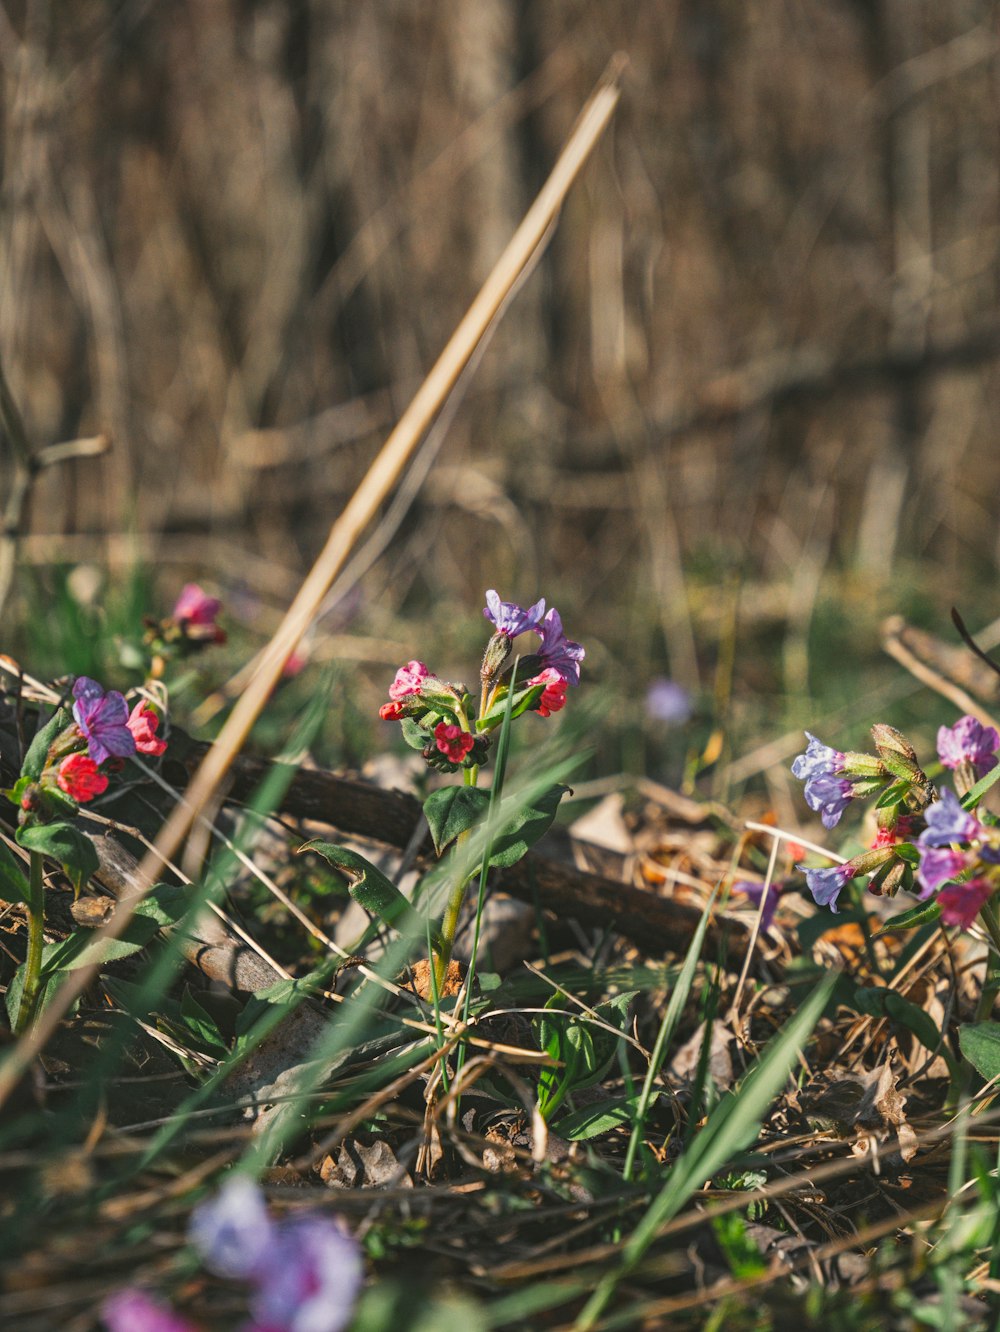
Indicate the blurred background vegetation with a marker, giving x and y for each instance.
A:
(744, 408)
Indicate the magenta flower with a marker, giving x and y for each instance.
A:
(79, 776)
(452, 741)
(962, 902)
(143, 722)
(825, 791)
(826, 884)
(968, 741)
(102, 718)
(557, 651)
(133, 1310)
(195, 612)
(553, 697)
(508, 618)
(947, 822)
(310, 1278)
(409, 679)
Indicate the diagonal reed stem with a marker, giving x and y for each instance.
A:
(356, 516)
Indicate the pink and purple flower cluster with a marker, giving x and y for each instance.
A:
(448, 726)
(305, 1272)
(928, 842)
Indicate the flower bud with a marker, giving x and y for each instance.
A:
(494, 658)
(887, 881)
(862, 765)
(868, 861)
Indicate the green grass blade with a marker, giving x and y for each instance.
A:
(671, 1018)
(731, 1127)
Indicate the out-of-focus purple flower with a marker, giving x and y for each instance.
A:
(103, 720)
(557, 651)
(755, 891)
(968, 741)
(133, 1310)
(232, 1231)
(310, 1278)
(947, 822)
(408, 680)
(937, 866)
(962, 902)
(509, 618)
(826, 884)
(825, 791)
(667, 701)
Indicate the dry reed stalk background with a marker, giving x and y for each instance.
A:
(365, 502)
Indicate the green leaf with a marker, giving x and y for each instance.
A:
(61, 841)
(593, 1120)
(38, 750)
(521, 834)
(48, 987)
(921, 914)
(414, 735)
(523, 699)
(372, 890)
(453, 810)
(972, 798)
(13, 880)
(201, 1025)
(892, 795)
(980, 1044)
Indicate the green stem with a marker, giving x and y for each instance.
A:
(449, 922)
(36, 943)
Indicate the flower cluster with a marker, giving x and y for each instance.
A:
(305, 1272)
(102, 734)
(190, 627)
(443, 720)
(937, 845)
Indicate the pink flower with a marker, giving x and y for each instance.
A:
(134, 1311)
(409, 680)
(394, 711)
(195, 612)
(80, 778)
(553, 697)
(961, 902)
(143, 722)
(452, 741)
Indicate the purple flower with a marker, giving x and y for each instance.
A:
(310, 1278)
(134, 1311)
(825, 792)
(557, 651)
(755, 891)
(937, 866)
(233, 1231)
(103, 720)
(509, 618)
(667, 701)
(826, 884)
(968, 741)
(947, 822)
(818, 760)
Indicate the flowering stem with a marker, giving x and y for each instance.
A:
(36, 942)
